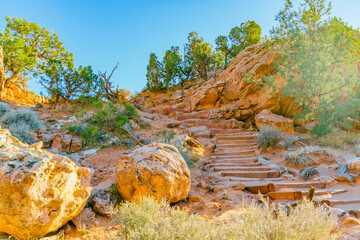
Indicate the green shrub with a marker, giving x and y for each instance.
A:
(89, 133)
(148, 219)
(87, 100)
(130, 111)
(188, 157)
(269, 137)
(4, 108)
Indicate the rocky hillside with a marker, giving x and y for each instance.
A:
(229, 94)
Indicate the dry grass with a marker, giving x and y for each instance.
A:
(148, 219)
(269, 137)
(309, 156)
(339, 139)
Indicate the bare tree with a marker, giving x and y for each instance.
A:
(107, 90)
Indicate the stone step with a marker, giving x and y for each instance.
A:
(241, 168)
(279, 186)
(216, 131)
(297, 195)
(235, 137)
(240, 149)
(246, 179)
(235, 153)
(261, 188)
(236, 160)
(235, 142)
(232, 146)
(193, 115)
(252, 174)
(232, 157)
(257, 164)
(292, 195)
(325, 192)
(332, 202)
(200, 122)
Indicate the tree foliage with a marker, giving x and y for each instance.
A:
(240, 37)
(27, 49)
(317, 56)
(197, 60)
(65, 82)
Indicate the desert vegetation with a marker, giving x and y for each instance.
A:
(249, 136)
(148, 219)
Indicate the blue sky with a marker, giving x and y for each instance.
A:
(103, 32)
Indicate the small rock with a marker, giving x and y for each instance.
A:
(173, 125)
(210, 205)
(103, 202)
(353, 164)
(239, 186)
(76, 144)
(38, 105)
(134, 125)
(57, 142)
(194, 199)
(202, 184)
(85, 218)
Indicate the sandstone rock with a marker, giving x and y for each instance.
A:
(353, 164)
(266, 117)
(231, 87)
(156, 170)
(239, 186)
(198, 132)
(47, 139)
(65, 142)
(40, 191)
(210, 205)
(243, 103)
(57, 142)
(103, 202)
(189, 144)
(86, 219)
(76, 144)
(173, 125)
(195, 199)
(134, 125)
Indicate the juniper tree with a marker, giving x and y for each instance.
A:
(317, 55)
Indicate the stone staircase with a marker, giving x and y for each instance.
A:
(235, 162)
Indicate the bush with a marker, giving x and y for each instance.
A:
(4, 108)
(189, 158)
(148, 219)
(339, 138)
(269, 137)
(306, 156)
(21, 131)
(89, 133)
(21, 117)
(21, 123)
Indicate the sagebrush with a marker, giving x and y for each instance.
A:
(269, 137)
(148, 219)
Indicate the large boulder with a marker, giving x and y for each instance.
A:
(266, 117)
(157, 170)
(40, 191)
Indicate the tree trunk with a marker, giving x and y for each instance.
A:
(2, 71)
